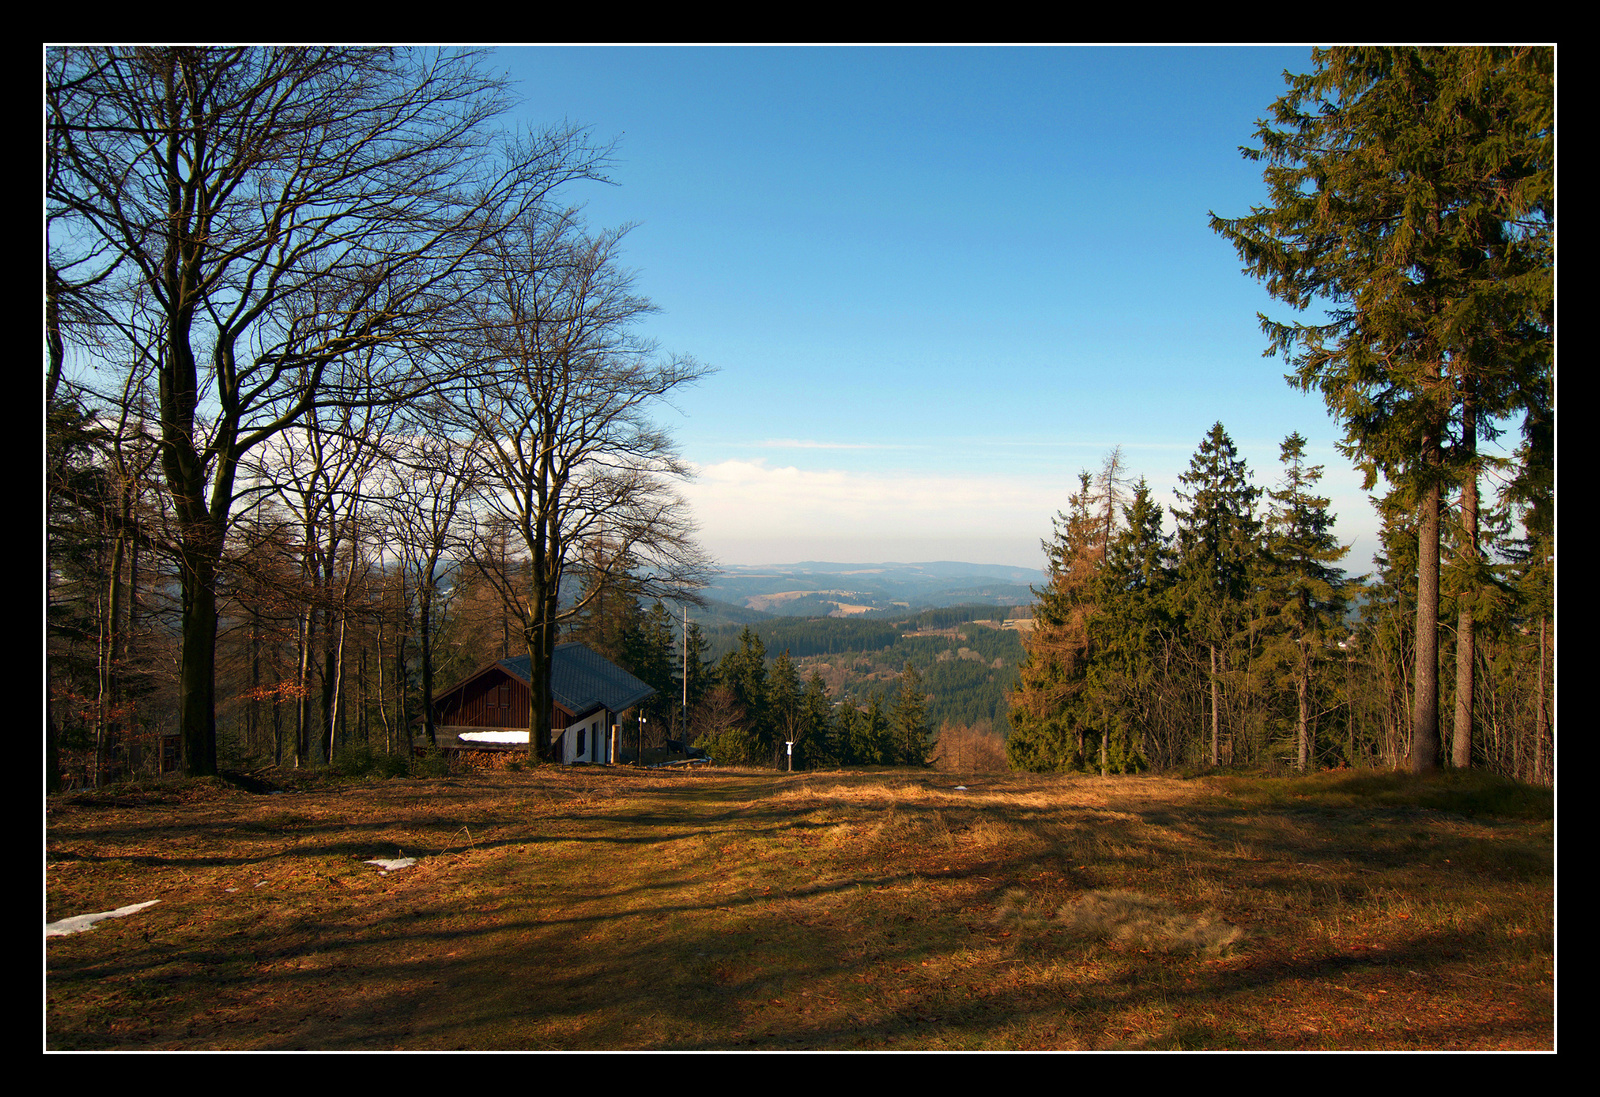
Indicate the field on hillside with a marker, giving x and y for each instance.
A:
(597, 908)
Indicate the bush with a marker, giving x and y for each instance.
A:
(430, 765)
(360, 760)
(731, 747)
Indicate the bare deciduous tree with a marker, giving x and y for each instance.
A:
(560, 411)
(248, 218)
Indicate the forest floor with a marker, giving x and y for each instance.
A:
(607, 908)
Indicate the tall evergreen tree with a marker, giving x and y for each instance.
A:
(818, 737)
(1304, 591)
(874, 740)
(848, 738)
(908, 720)
(744, 672)
(1534, 575)
(1412, 198)
(695, 663)
(1388, 616)
(1049, 716)
(783, 705)
(1135, 617)
(652, 658)
(1217, 548)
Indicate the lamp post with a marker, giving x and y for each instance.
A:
(641, 738)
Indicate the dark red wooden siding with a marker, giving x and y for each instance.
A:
(496, 700)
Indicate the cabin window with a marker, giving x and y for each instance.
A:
(581, 744)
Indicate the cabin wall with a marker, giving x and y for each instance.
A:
(493, 701)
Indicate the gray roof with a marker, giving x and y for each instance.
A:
(582, 680)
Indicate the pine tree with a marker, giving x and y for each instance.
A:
(818, 736)
(1048, 714)
(695, 663)
(652, 658)
(875, 742)
(1388, 616)
(1135, 617)
(847, 735)
(1533, 572)
(1413, 201)
(744, 672)
(783, 705)
(908, 720)
(1305, 593)
(1216, 541)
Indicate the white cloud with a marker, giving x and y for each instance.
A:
(753, 512)
(751, 503)
(798, 443)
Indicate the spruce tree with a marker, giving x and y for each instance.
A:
(818, 734)
(847, 736)
(697, 665)
(908, 720)
(744, 672)
(783, 706)
(1048, 712)
(1216, 541)
(1412, 200)
(874, 737)
(1388, 616)
(1305, 593)
(1128, 672)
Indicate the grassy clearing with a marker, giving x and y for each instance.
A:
(593, 908)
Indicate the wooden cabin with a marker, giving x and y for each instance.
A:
(489, 709)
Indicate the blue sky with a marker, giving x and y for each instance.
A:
(938, 281)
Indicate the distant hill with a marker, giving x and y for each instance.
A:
(824, 589)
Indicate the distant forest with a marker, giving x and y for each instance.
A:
(966, 674)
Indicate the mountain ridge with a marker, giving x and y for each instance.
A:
(817, 588)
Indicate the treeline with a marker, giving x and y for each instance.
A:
(803, 636)
(1235, 639)
(806, 636)
(751, 711)
(855, 703)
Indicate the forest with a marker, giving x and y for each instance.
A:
(344, 399)
(1234, 639)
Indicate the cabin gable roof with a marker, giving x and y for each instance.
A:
(582, 680)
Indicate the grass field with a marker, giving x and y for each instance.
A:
(590, 908)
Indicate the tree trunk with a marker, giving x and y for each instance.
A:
(335, 710)
(1425, 703)
(1215, 721)
(1461, 747)
(541, 641)
(1302, 688)
(253, 709)
(302, 712)
(1538, 713)
(197, 675)
(425, 636)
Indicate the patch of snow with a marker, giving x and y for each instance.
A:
(492, 737)
(82, 922)
(395, 865)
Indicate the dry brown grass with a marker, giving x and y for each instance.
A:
(600, 908)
